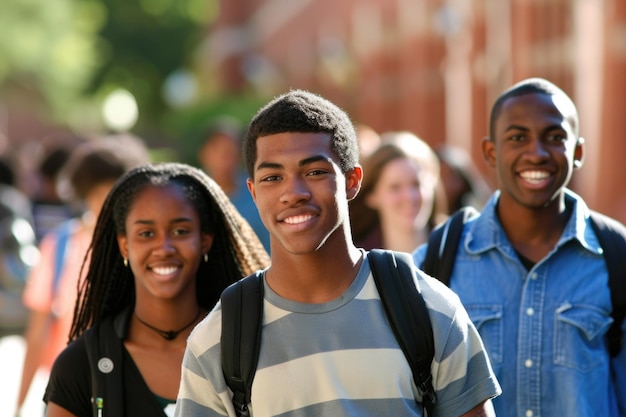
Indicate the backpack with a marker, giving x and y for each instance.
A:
(62, 234)
(104, 354)
(18, 254)
(444, 242)
(396, 281)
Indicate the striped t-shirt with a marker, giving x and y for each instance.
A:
(340, 359)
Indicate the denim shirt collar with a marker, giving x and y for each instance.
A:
(486, 232)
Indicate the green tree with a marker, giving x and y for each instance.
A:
(49, 47)
(73, 52)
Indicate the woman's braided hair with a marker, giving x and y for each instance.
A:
(108, 287)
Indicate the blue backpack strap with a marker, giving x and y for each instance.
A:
(396, 281)
(241, 337)
(612, 237)
(62, 233)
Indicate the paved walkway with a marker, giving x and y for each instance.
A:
(11, 361)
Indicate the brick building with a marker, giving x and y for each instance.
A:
(434, 67)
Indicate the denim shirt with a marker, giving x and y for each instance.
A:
(544, 328)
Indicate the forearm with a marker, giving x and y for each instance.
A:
(36, 337)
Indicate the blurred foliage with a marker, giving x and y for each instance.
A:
(50, 47)
(74, 52)
(147, 41)
(194, 122)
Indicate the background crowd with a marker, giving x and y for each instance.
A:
(426, 85)
(405, 193)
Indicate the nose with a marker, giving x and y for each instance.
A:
(164, 245)
(295, 190)
(537, 150)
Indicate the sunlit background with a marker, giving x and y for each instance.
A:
(162, 69)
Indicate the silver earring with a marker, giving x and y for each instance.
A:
(126, 262)
(206, 257)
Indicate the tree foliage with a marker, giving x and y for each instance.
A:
(73, 52)
(50, 47)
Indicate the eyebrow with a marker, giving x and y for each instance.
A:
(173, 221)
(515, 127)
(303, 162)
(525, 129)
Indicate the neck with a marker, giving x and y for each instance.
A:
(169, 321)
(528, 223)
(169, 334)
(533, 232)
(313, 278)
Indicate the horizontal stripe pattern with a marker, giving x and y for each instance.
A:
(340, 358)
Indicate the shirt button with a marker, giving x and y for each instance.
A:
(528, 363)
(533, 275)
(530, 311)
(529, 413)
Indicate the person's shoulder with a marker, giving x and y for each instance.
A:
(437, 295)
(207, 333)
(70, 379)
(609, 221)
(16, 202)
(598, 220)
(71, 363)
(75, 351)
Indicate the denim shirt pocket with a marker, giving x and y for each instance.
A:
(579, 336)
(487, 319)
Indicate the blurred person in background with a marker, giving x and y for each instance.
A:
(464, 184)
(16, 201)
(48, 208)
(51, 288)
(220, 157)
(402, 197)
(368, 139)
(18, 249)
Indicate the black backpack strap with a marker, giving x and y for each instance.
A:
(241, 337)
(443, 244)
(395, 277)
(612, 237)
(104, 351)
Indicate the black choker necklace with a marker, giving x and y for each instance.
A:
(168, 334)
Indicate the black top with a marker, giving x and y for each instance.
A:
(70, 384)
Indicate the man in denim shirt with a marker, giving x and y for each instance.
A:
(530, 270)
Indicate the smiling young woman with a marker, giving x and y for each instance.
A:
(167, 242)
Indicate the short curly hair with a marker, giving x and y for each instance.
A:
(303, 112)
(533, 85)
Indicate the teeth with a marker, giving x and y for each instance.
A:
(166, 270)
(534, 175)
(298, 219)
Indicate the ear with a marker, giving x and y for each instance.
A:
(489, 151)
(579, 153)
(354, 177)
(250, 185)
(207, 242)
(122, 243)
